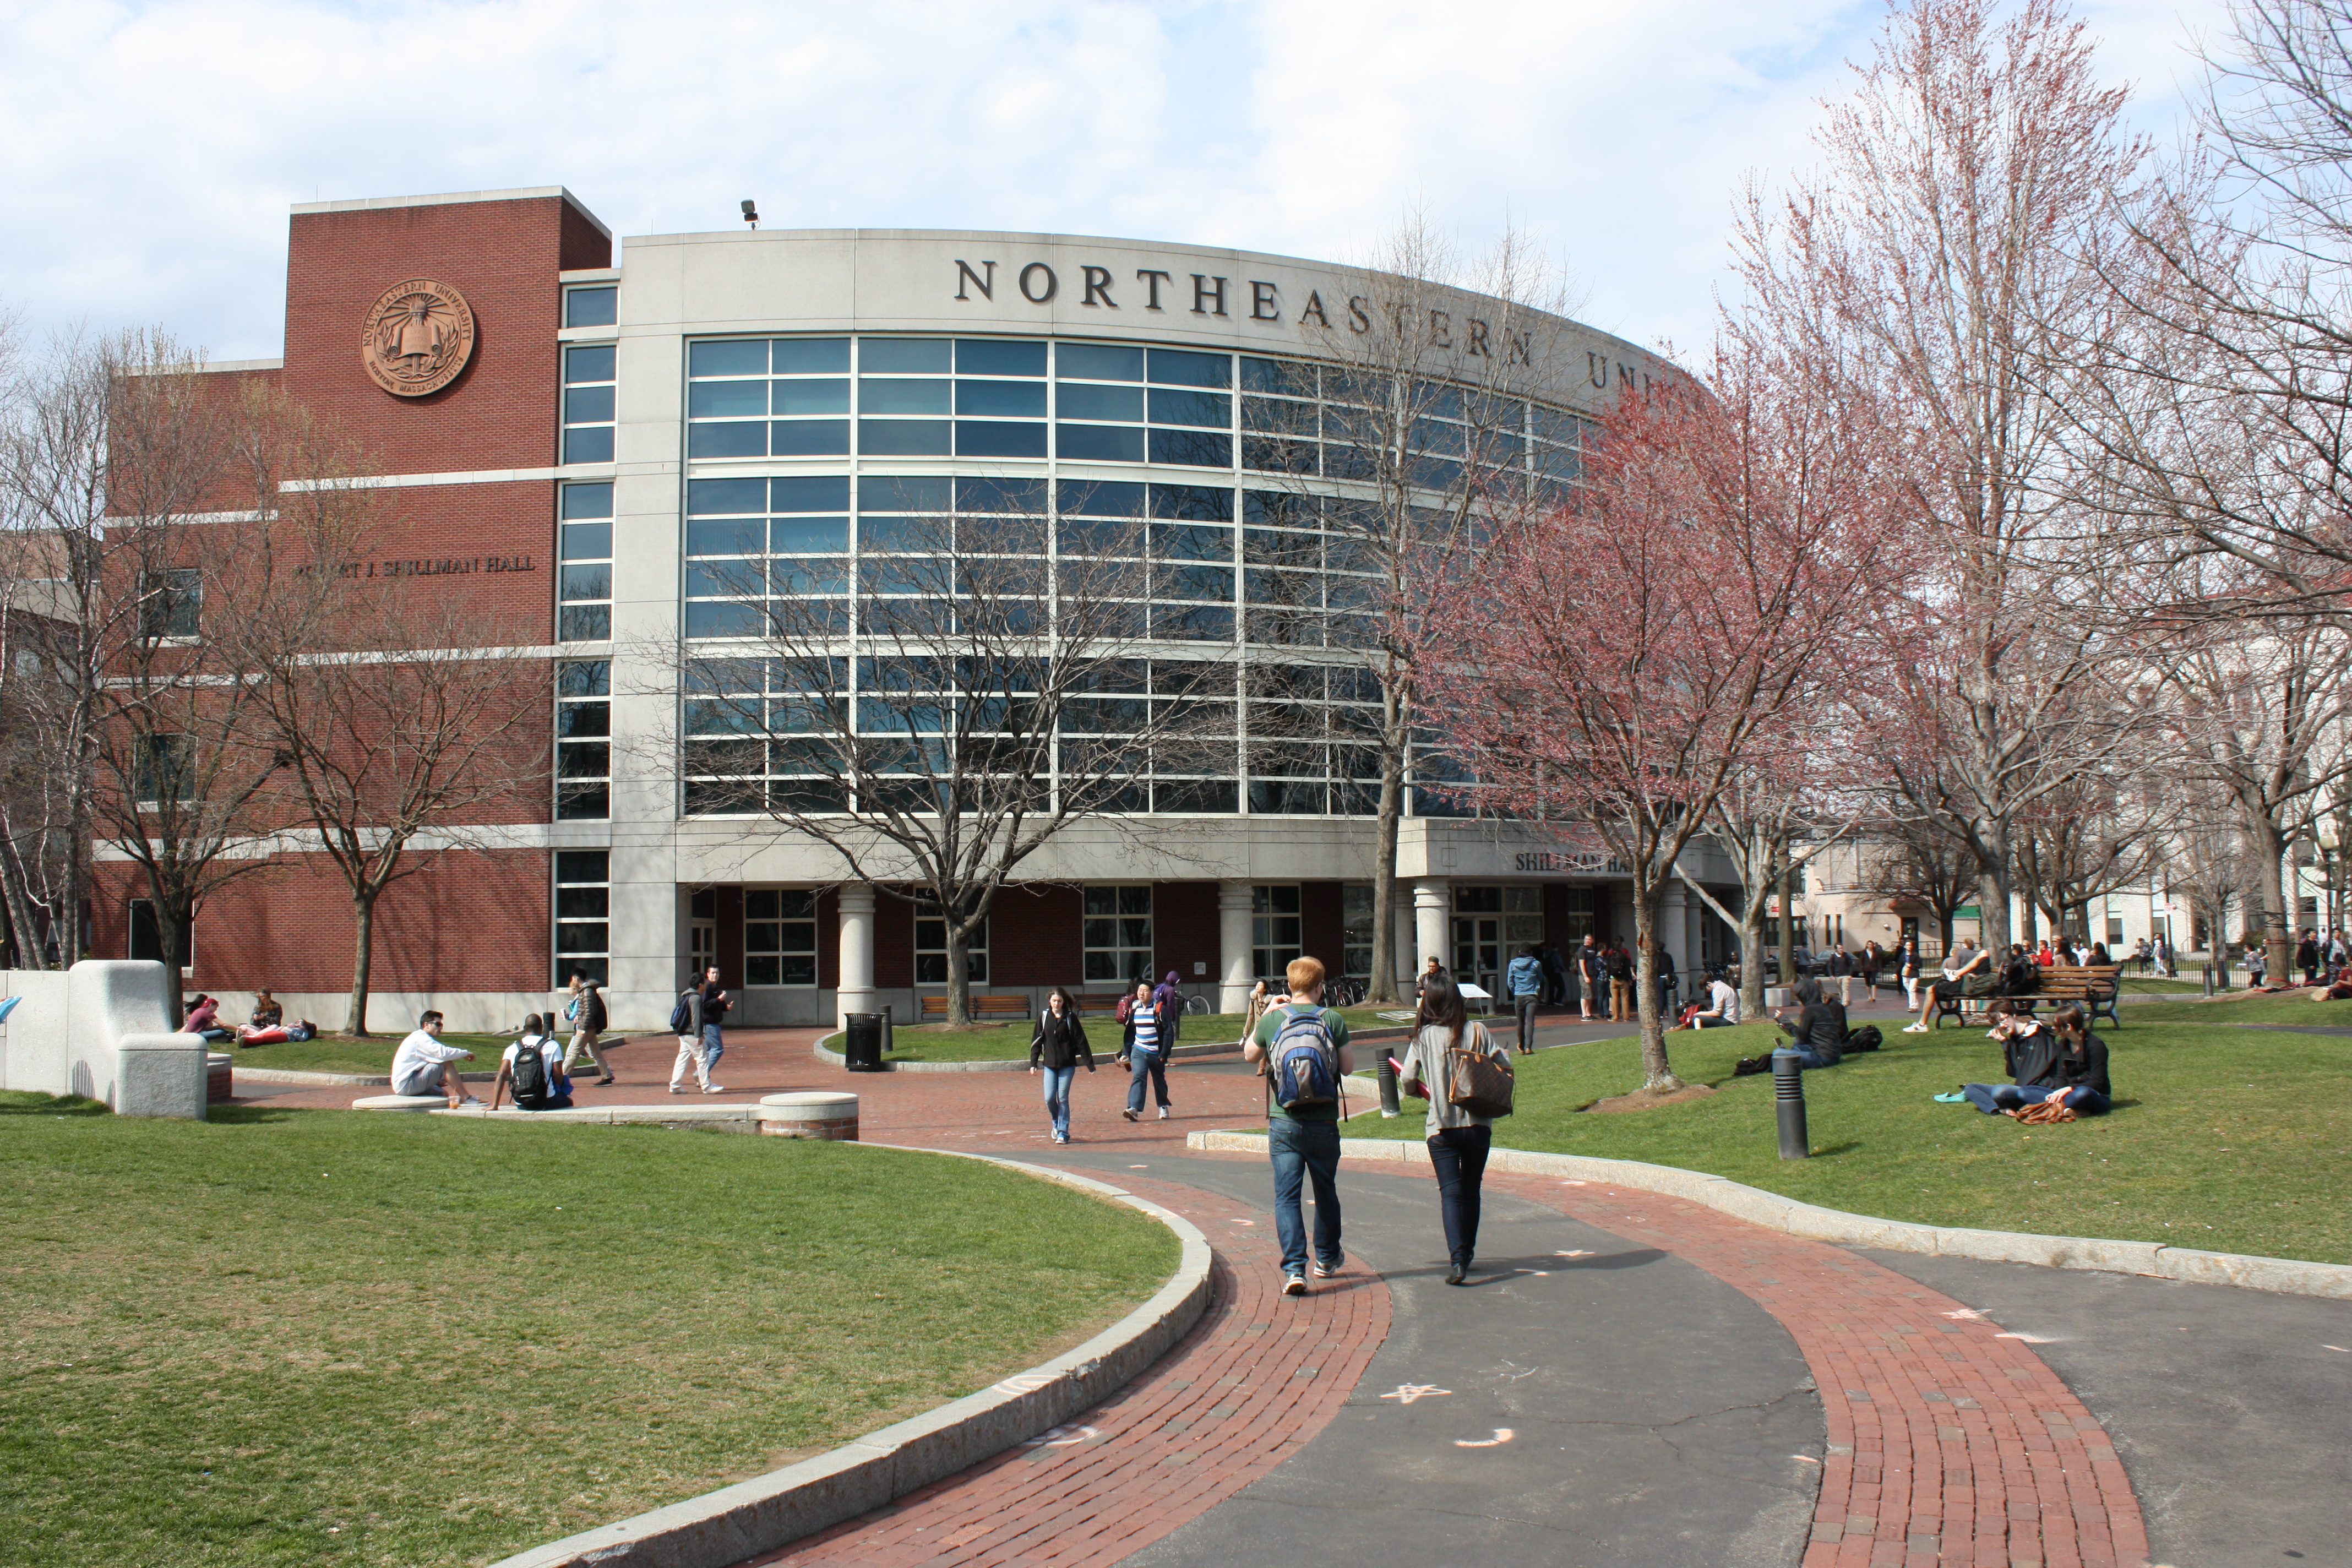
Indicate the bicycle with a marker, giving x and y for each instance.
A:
(1196, 1006)
(1345, 993)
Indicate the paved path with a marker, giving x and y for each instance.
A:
(1679, 1388)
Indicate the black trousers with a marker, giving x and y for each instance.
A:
(1459, 1154)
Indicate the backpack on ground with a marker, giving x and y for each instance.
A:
(528, 1073)
(1866, 1038)
(681, 1017)
(1305, 1063)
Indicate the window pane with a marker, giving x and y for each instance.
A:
(1099, 443)
(721, 618)
(1191, 542)
(584, 802)
(588, 582)
(588, 541)
(1192, 503)
(901, 396)
(1100, 497)
(1005, 399)
(1278, 375)
(592, 307)
(584, 678)
(808, 535)
(1192, 449)
(794, 579)
(904, 437)
(588, 500)
(1178, 367)
(1101, 403)
(1210, 409)
(588, 444)
(591, 363)
(999, 495)
(984, 356)
(811, 356)
(814, 492)
(809, 438)
(731, 399)
(582, 865)
(917, 354)
(827, 396)
(745, 358)
(992, 438)
(582, 721)
(724, 537)
(747, 438)
(710, 498)
(905, 493)
(584, 622)
(1099, 362)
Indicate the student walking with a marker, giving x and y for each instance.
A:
(1303, 1046)
(1459, 1139)
(588, 1020)
(1055, 1048)
(1145, 1052)
(1523, 981)
(700, 1040)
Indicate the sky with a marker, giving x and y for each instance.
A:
(149, 152)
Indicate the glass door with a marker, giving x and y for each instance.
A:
(1478, 952)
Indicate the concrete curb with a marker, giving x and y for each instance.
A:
(826, 1054)
(2284, 1276)
(735, 1522)
(333, 1080)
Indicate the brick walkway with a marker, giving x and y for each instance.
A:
(1949, 1442)
(1254, 1381)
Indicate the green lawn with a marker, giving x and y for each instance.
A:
(2231, 1140)
(2296, 1009)
(2157, 985)
(370, 1055)
(1003, 1042)
(337, 1338)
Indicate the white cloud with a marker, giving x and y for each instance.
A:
(149, 152)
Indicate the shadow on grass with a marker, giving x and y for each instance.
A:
(1829, 1150)
(251, 1115)
(26, 1102)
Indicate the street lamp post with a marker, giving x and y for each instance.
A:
(2329, 832)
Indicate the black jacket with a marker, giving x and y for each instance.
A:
(1841, 963)
(1820, 1028)
(1167, 1040)
(1060, 1042)
(2088, 1070)
(2033, 1059)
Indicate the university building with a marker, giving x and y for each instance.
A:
(604, 455)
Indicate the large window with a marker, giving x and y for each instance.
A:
(583, 909)
(147, 936)
(1356, 930)
(583, 740)
(586, 543)
(164, 768)
(1118, 404)
(779, 936)
(1118, 932)
(931, 951)
(1274, 928)
(588, 411)
(171, 603)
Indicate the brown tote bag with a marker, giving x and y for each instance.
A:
(1478, 1082)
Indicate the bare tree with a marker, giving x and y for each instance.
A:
(1426, 382)
(1942, 264)
(1770, 824)
(1914, 859)
(998, 684)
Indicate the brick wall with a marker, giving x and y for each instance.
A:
(1322, 930)
(1034, 938)
(1185, 932)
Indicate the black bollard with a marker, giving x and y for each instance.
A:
(1789, 1104)
(1389, 1107)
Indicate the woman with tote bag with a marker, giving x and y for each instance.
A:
(1466, 1076)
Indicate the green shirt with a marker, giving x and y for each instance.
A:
(1268, 1027)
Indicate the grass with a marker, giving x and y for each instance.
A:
(1010, 1042)
(2157, 985)
(366, 1056)
(336, 1338)
(2298, 1008)
(2229, 1139)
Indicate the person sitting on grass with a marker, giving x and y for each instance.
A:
(1722, 1008)
(1817, 1034)
(2029, 1051)
(421, 1065)
(1966, 960)
(534, 1067)
(2083, 1085)
(203, 1018)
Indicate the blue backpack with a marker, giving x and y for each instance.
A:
(1306, 1064)
(681, 1017)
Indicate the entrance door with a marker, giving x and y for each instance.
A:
(1478, 951)
(704, 945)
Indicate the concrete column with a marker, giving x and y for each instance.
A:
(1674, 925)
(1234, 963)
(857, 992)
(1432, 905)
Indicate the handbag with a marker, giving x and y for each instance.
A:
(1477, 1082)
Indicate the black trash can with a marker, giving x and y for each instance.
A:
(862, 1043)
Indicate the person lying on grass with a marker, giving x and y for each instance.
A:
(534, 1067)
(422, 1064)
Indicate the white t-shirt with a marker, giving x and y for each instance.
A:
(1723, 999)
(551, 1052)
(416, 1052)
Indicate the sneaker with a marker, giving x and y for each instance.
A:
(1329, 1270)
(1163, 1113)
(1950, 1098)
(1061, 1137)
(676, 1090)
(714, 1089)
(1294, 1286)
(1129, 1114)
(471, 1100)
(1914, 1028)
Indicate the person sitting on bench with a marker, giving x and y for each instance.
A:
(1817, 1034)
(1964, 962)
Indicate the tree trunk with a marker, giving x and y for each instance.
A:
(23, 931)
(1788, 955)
(1752, 968)
(958, 973)
(1656, 1071)
(2278, 937)
(1992, 890)
(1384, 987)
(362, 963)
(2029, 933)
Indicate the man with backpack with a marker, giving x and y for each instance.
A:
(694, 1022)
(533, 1069)
(1302, 1049)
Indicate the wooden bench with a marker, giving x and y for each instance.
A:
(1101, 1005)
(2094, 985)
(980, 1007)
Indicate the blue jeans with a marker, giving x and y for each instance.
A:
(1994, 1098)
(714, 1045)
(1458, 1155)
(1805, 1059)
(1304, 1150)
(1138, 1063)
(1058, 1095)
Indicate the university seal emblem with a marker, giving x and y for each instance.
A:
(417, 337)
